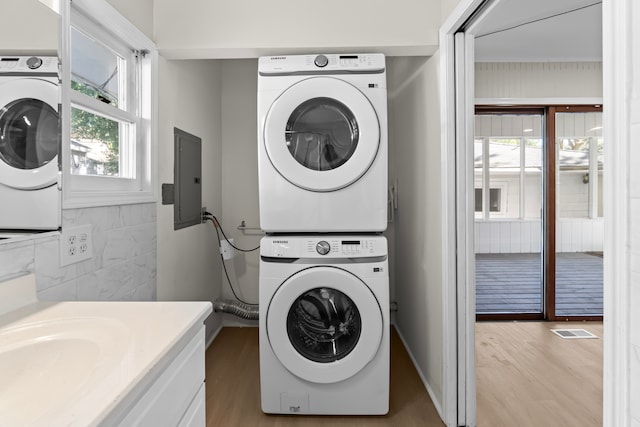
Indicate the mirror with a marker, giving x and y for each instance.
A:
(29, 115)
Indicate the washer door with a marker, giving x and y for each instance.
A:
(28, 133)
(322, 134)
(324, 324)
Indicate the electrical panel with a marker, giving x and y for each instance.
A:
(187, 176)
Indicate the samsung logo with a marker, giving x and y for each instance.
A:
(286, 242)
(278, 58)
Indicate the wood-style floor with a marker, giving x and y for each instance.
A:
(233, 389)
(528, 376)
(511, 283)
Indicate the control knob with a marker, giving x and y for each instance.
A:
(321, 61)
(34, 62)
(323, 247)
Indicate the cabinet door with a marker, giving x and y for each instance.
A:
(167, 399)
(196, 413)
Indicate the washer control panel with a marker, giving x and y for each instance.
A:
(323, 247)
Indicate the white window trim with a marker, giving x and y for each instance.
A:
(83, 191)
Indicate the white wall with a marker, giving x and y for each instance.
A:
(240, 176)
(538, 80)
(245, 28)
(189, 99)
(414, 137)
(28, 28)
(523, 236)
(139, 13)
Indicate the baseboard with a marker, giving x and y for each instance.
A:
(435, 401)
(213, 336)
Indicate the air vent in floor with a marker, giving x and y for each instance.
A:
(573, 333)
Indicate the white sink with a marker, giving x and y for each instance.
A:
(55, 361)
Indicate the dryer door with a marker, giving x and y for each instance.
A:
(28, 133)
(322, 134)
(324, 324)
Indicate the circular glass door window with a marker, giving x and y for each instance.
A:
(322, 134)
(28, 133)
(324, 325)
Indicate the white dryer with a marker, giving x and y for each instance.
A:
(324, 325)
(322, 143)
(29, 143)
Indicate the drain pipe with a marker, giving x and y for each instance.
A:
(237, 308)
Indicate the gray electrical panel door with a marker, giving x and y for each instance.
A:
(187, 177)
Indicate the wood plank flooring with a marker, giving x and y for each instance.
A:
(233, 389)
(511, 283)
(528, 376)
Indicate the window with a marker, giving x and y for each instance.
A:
(507, 160)
(495, 201)
(109, 124)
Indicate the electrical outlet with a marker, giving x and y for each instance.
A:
(203, 215)
(75, 244)
(227, 251)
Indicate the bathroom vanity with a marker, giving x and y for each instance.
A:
(101, 363)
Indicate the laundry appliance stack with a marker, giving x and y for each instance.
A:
(324, 284)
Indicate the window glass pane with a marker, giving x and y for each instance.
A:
(575, 132)
(533, 178)
(478, 200)
(478, 168)
(324, 325)
(504, 177)
(96, 70)
(96, 143)
(322, 134)
(495, 200)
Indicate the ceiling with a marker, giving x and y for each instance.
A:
(540, 30)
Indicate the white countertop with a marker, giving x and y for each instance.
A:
(78, 363)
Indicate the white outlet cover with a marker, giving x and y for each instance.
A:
(227, 251)
(75, 244)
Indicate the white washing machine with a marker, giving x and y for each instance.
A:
(324, 325)
(29, 143)
(322, 143)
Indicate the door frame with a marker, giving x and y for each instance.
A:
(455, 102)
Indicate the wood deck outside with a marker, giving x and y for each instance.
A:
(511, 283)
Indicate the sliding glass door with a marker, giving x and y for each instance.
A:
(508, 204)
(538, 212)
(579, 221)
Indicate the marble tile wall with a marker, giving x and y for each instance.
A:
(123, 266)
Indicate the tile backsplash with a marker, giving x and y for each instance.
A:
(123, 266)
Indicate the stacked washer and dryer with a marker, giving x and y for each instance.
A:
(324, 284)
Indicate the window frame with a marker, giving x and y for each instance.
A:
(100, 21)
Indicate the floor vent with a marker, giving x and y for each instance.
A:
(573, 333)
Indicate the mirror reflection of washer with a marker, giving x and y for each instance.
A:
(322, 143)
(29, 143)
(324, 325)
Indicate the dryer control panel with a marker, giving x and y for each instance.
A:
(323, 246)
(368, 63)
(29, 64)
